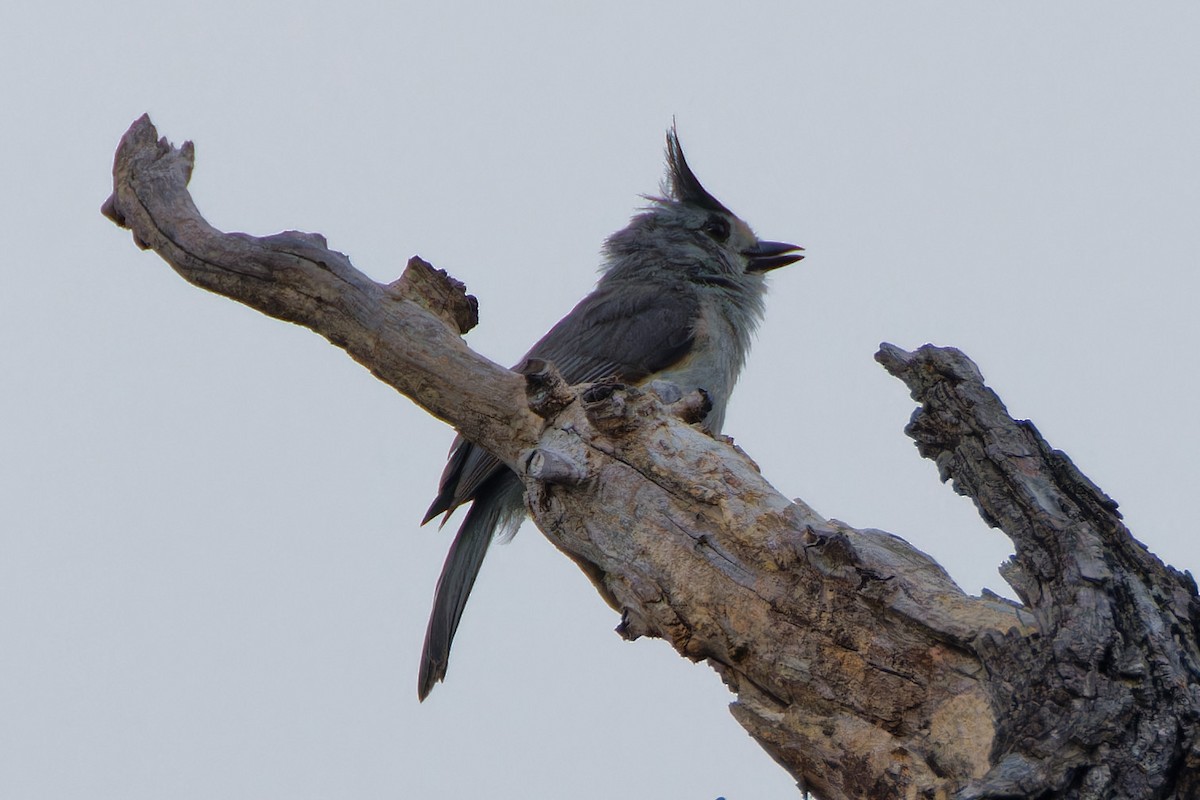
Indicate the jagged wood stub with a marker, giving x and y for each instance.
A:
(856, 661)
(1104, 702)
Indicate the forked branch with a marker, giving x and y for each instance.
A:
(856, 661)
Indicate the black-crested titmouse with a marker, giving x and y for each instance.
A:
(679, 298)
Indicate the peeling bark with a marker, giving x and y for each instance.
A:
(855, 660)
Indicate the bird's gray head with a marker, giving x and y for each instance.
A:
(687, 235)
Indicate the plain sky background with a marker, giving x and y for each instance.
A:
(212, 582)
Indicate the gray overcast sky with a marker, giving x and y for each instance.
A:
(212, 582)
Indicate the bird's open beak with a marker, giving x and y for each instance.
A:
(765, 256)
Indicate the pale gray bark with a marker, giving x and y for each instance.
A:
(855, 660)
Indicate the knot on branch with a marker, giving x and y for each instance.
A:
(606, 405)
(438, 293)
(634, 622)
(554, 466)
(546, 390)
(615, 409)
(830, 550)
(692, 407)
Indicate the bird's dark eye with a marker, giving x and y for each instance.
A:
(717, 227)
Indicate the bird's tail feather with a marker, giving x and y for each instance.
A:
(498, 508)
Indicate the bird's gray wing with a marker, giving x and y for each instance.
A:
(468, 468)
(623, 331)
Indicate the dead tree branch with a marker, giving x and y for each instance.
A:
(1104, 701)
(856, 661)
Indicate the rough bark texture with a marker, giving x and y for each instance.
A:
(1103, 701)
(856, 661)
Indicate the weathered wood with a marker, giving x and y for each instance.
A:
(406, 333)
(850, 651)
(1104, 701)
(856, 661)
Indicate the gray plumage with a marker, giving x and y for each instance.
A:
(679, 298)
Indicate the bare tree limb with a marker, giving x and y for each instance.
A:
(401, 332)
(1104, 702)
(856, 661)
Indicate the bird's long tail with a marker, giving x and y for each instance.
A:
(497, 509)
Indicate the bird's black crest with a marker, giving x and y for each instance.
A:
(682, 184)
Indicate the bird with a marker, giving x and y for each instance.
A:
(680, 295)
